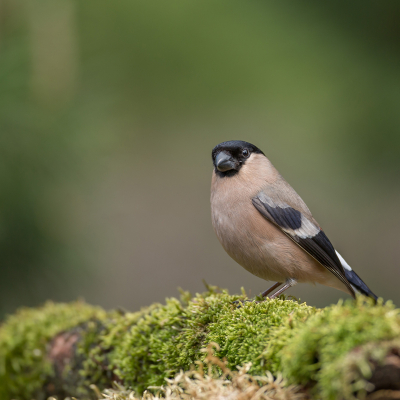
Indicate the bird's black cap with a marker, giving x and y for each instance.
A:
(234, 147)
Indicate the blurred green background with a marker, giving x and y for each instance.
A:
(109, 111)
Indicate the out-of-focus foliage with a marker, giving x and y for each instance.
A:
(109, 111)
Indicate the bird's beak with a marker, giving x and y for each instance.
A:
(224, 162)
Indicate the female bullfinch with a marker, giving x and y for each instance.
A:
(265, 226)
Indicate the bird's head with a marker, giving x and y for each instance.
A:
(229, 157)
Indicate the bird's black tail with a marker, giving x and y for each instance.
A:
(358, 284)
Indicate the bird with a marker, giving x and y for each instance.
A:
(266, 227)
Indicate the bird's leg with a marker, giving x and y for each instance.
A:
(272, 288)
(263, 294)
(289, 283)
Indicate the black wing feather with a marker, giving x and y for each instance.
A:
(358, 283)
(318, 246)
(288, 218)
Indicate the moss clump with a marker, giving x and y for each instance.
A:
(316, 351)
(244, 333)
(206, 384)
(309, 347)
(145, 348)
(24, 337)
(156, 343)
(99, 348)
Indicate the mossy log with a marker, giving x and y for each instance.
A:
(348, 350)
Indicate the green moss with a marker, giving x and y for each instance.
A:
(244, 333)
(317, 350)
(99, 347)
(358, 365)
(169, 338)
(23, 340)
(208, 383)
(309, 346)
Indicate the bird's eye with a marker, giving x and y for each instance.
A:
(245, 153)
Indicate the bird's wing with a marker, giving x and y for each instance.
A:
(303, 231)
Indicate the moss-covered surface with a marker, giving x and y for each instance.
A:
(317, 350)
(24, 337)
(213, 380)
(169, 337)
(311, 347)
